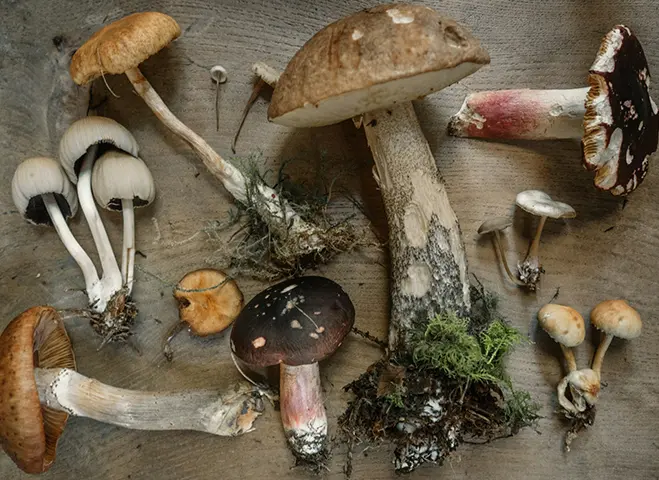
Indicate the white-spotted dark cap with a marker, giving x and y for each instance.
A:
(296, 322)
(621, 122)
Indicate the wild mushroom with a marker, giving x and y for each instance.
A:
(566, 326)
(584, 386)
(375, 62)
(496, 225)
(40, 388)
(208, 302)
(295, 324)
(43, 195)
(615, 116)
(119, 48)
(540, 204)
(122, 182)
(614, 318)
(78, 150)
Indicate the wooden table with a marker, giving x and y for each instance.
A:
(609, 250)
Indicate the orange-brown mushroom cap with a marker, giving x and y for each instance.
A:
(29, 431)
(209, 301)
(123, 45)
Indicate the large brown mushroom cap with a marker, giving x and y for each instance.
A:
(29, 431)
(373, 59)
(209, 301)
(564, 324)
(617, 318)
(123, 45)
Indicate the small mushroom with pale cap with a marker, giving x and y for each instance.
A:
(40, 389)
(615, 117)
(295, 324)
(208, 302)
(614, 318)
(540, 204)
(566, 326)
(496, 225)
(43, 195)
(79, 149)
(122, 182)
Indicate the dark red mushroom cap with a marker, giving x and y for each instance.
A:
(296, 322)
(28, 430)
(621, 122)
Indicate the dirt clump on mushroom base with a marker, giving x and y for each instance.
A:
(447, 386)
(578, 422)
(263, 249)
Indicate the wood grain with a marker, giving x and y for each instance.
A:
(532, 44)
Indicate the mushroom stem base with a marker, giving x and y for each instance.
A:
(227, 414)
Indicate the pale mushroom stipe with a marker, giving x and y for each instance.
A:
(615, 117)
(295, 324)
(495, 226)
(41, 389)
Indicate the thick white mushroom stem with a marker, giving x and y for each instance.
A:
(227, 414)
(302, 409)
(276, 212)
(128, 250)
(92, 282)
(111, 279)
(521, 114)
(428, 262)
(600, 352)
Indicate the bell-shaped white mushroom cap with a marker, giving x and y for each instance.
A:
(539, 203)
(35, 177)
(564, 324)
(118, 176)
(89, 131)
(617, 318)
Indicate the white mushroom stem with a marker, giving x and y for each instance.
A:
(111, 279)
(428, 261)
(92, 282)
(277, 213)
(128, 250)
(521, 114)
(600, 352)
(227, 414)
(302, 410)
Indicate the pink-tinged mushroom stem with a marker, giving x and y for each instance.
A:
(521, 114)
(600, 352)
(302, 410)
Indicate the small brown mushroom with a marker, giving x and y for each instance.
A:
(208, 302)
(496, 225)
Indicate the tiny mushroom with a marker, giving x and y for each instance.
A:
(496, 225)
(540, 204)
(78, 150)
(208, 302)
(122, 182)
(40, 388)
(43, 195)
(614, 318)
(295, 324)
(615, 117)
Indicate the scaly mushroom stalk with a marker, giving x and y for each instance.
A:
(201, 410)
(428, 261)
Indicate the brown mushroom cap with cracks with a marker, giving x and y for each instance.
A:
(496, 225)
(540, 204)
(208, 302)
(614, 318)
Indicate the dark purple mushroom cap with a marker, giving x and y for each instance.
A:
(295, 322)
(621, 122)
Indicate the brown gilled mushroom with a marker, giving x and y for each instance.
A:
(40, 388)
(615, 117)
(208, 302)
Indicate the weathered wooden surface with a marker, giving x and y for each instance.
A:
(605, 252)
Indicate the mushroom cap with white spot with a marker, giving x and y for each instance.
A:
(35, 177)
(617, 318)
(541, 204)
(494, 224)
(89, 131)
(118, 176)
(305, 321)
(373, 59)
(564, 324)
(621, 123)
